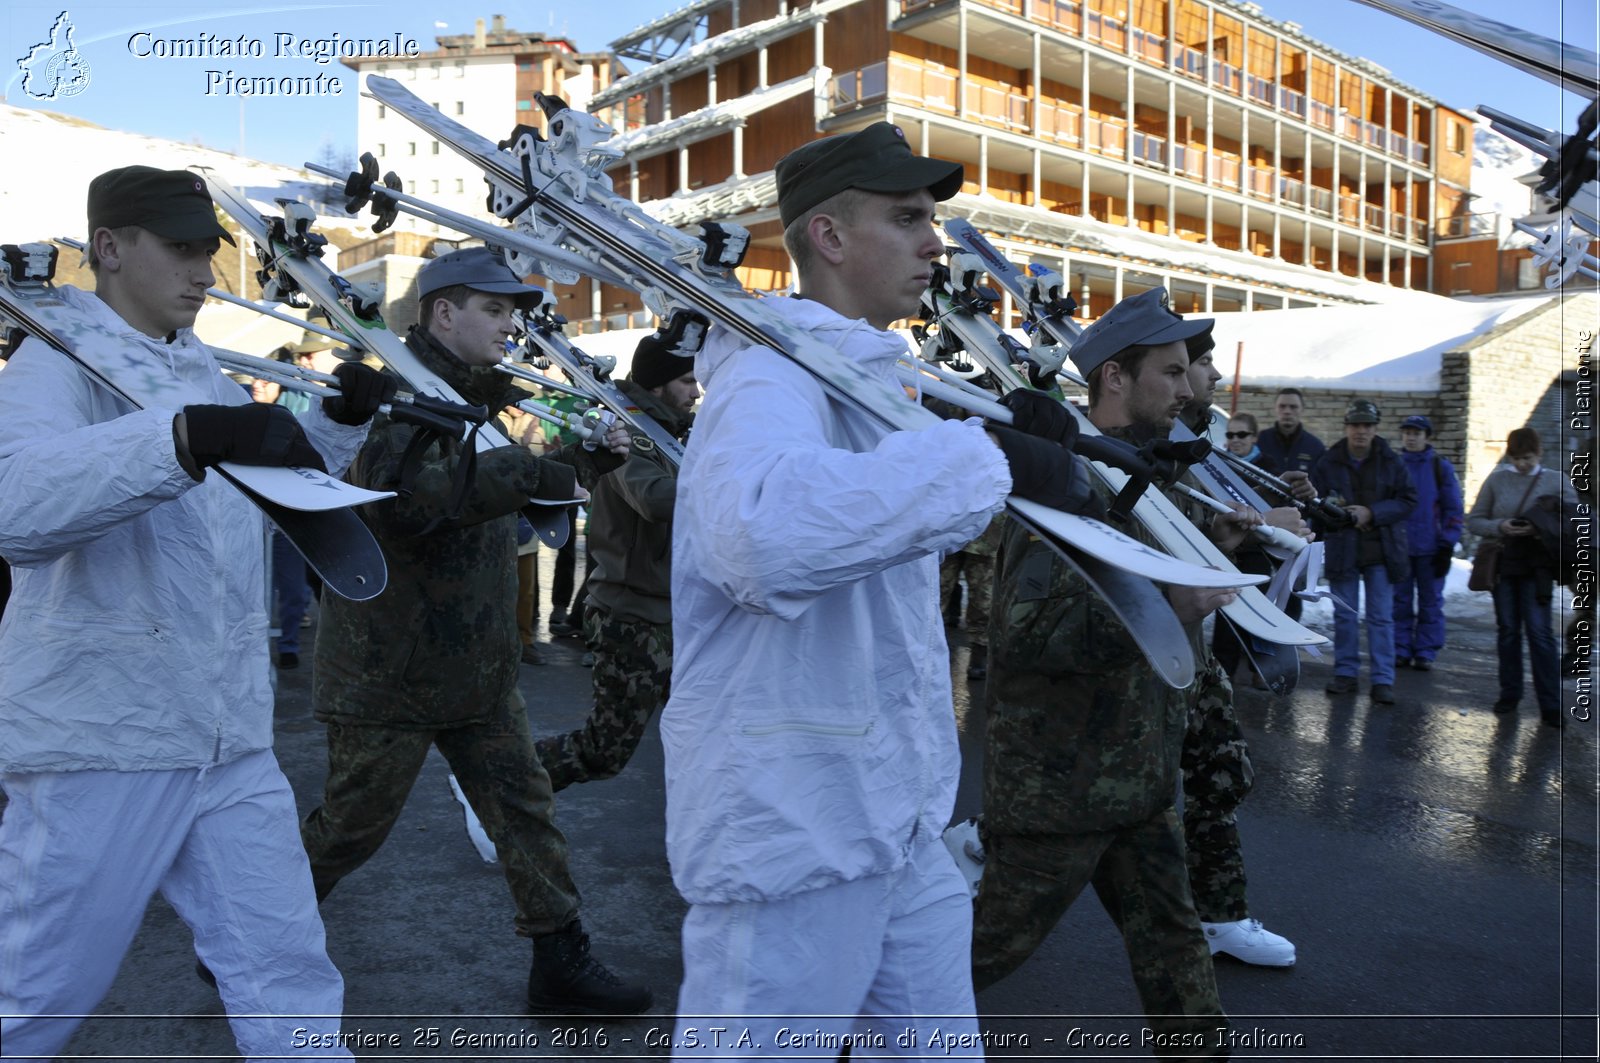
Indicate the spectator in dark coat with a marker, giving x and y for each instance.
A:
(1287, 446)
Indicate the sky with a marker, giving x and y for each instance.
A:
(131, 86)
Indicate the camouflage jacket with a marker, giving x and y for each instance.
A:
(630, 522)
(439, 647)
(1082, 734)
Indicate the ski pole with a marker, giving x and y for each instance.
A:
(591, 429)
(535, 377)
(363, 184)
(450, 418)
(1328, 511)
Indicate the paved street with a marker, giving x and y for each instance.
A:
(1435, 865)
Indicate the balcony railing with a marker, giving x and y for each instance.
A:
(1148, 148)
(1070, 18)
(1059, 122)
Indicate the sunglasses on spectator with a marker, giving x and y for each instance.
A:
(1239, 435)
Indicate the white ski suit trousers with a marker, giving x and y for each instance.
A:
(82, 852)
(866, 960)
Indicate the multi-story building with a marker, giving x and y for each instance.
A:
(1195, 143)
(485, 80)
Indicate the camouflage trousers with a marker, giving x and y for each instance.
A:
(979, 570)
(371, 770)
(1030, 880)
(1216, 777)
(632, 670)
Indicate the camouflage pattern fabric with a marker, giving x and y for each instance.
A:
(632, 669)
(979, 570)
(1080, 774)
(439, 648)
(1137, 871)
(371, 769)
(1216, 777)
(1082, 734)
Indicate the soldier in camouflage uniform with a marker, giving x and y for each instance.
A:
(628, 622)
(1216, 759)
(433, 661)
(1084, 739)
(976, 562)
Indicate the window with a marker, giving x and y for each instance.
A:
(411, 71)
(436, 147)
(435, 67)
(411, 148)
(524, 105)
(411, 188)
(382, 151)
(383, 111)
(461, 107)
(461, 185)
(461, 68)
(436, 186)
(1456, 137)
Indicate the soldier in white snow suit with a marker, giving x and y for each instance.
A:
(135, 701)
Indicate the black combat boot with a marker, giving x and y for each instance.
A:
(565, 979)
(978, 663)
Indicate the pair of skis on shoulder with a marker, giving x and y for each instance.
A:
(293, 269)
(314, 510)
(556, 192)
(544, 333)
(962, 315)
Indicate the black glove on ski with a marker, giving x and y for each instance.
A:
(252, 434)
(362, 389)
(1038, 414)
(1046, 472)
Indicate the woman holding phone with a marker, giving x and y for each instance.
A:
(1526, 573)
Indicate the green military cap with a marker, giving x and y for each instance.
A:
(874, 159)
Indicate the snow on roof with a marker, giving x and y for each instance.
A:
(756, 33)
(45, 200)
(1396, 347)
(707, 121)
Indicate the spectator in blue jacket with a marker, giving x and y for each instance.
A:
(1432, 533)
(1362, 474)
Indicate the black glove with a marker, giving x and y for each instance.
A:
(1037, 414)
(362, 389)
(1441, 561)
(252, 434)
(1046, 472)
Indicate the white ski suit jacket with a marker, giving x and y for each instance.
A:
(810, 735)
(136, 634)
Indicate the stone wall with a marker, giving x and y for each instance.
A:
(1523, 373)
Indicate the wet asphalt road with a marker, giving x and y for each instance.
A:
(1434, 864)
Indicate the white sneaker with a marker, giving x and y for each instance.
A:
(1247, 940)
(967, 850)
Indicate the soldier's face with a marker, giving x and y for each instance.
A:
(475, 333)
(1161, 388)
(682, 393)
(1203, 377)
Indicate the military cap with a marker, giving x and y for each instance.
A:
(1145, 319)
(477, 268)
(170, 203)
(874, 159)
